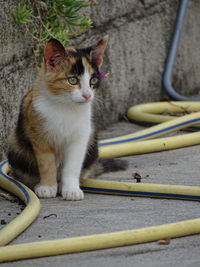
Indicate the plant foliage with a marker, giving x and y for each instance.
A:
(58, 19)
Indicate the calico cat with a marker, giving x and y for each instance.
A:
(55, 141)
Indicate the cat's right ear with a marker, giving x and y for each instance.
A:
(54, 55)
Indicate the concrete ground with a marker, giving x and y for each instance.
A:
(105, 213)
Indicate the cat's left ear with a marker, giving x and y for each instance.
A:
(97, 51)
(54, 54)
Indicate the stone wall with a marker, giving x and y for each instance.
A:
(139, 31)
(16, 70)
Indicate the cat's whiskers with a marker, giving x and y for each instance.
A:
(99, 103)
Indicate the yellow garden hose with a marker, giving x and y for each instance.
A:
(158, 112)
(27, 216)
(114, 147)
(99, 241)
(151, 113)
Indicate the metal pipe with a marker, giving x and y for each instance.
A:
(167, 75)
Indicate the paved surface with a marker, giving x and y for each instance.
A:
(101, 213)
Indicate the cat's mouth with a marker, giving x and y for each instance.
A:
(83, 102)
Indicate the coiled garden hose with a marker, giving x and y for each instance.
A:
(115, 239)
(27, 216)
(130, 145)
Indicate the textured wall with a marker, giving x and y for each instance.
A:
(16, 69)
(139, 33)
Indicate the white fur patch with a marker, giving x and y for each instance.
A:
(64, 123)
(45, 191)
(72, 193)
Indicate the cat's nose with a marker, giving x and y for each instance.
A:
(86, 95)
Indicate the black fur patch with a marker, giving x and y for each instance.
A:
(78, 68)
(92, 153)
(84, 52)
(22, 138)
(25, 164)
(24, 160)
(79, 53)
(113, 165)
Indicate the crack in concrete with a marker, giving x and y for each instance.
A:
(117, 22)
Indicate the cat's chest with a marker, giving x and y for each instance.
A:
(63, 124)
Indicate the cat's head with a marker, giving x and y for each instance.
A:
(72, 73)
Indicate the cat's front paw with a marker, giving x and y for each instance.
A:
(72, 193)
(45, 191)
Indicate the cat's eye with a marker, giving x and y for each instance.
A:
(94, 80)
(73, 80)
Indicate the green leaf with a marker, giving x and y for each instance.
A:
(44, 19)
(22, 14)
